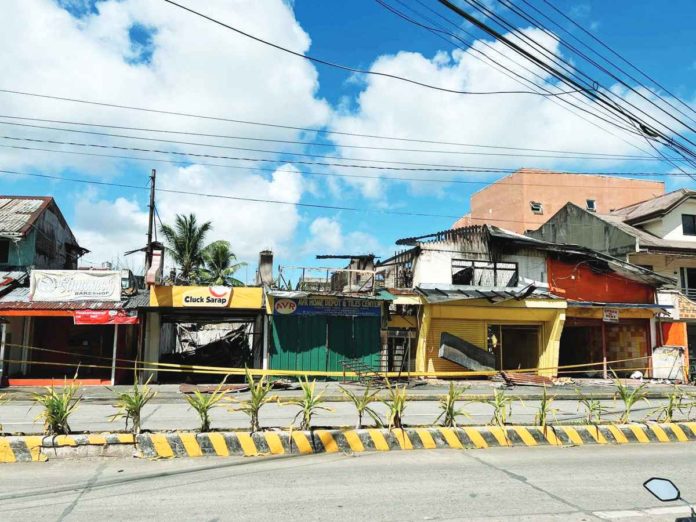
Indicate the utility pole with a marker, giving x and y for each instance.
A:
(151, 221)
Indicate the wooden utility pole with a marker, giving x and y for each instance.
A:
(151, 221)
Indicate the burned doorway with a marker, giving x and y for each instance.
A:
(208, 339)
(515, 347)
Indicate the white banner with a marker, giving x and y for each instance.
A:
(75, 285)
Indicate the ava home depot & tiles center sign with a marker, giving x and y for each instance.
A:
(327, 306)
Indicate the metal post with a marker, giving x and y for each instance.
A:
(266, 326)
(604, 350)
(113, 358)
(3, 339)
(151, 221)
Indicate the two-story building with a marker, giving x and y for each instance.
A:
(658, 234)
(501, 300)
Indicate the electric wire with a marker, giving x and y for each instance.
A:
(345, 67)
(631, 175)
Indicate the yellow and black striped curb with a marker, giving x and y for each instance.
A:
(32, 448)
(223, 444)
(184, 444)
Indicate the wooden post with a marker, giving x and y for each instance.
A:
(604, 350)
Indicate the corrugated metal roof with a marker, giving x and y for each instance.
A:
(18, 299)
(645, 239)
(17, 213)
(15, 276)
(444, 293)
(655, 206)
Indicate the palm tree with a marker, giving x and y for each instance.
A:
(185, 242)
(220, 265)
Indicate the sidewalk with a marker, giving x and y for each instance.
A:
(417, 391)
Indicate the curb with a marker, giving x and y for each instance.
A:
(224, 444)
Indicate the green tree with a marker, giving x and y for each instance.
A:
(220, 265)
(185, 243)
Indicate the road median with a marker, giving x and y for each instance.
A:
(264, 443)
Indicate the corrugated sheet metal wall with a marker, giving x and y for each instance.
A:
(299, 343)
(471, 331)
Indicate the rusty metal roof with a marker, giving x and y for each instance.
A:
(18, 299)
(12, 276)
(655, 207)
(18, 213)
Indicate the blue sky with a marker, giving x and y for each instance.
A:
(154, 55)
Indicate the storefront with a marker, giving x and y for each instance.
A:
(504, 329)
(203, 326)
(317, 332)
(67, 323)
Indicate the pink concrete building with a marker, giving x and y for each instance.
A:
(527, 198)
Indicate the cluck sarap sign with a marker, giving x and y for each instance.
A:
(211, 296)
(75, 285)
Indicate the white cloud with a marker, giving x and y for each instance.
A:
(327, 237)
(109, 228)
(391, 108)
(195, 67)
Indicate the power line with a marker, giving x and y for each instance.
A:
(377, 178)
(600, 42)
(333, 145)
(332, 174)
(462, 168)
(234, 198)
(347, 68)
(343, 158)
(256, 200)
(236, 121)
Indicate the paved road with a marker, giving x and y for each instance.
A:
(175, 414)
(582, 483)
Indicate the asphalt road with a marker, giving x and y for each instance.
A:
(543, 483)
(175, 414)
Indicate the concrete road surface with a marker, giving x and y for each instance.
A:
(535, 484)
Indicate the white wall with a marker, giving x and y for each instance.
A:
(670, 226)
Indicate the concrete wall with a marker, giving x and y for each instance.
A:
(573, 225)
(434, 264)
(506, 203)
(670, 225)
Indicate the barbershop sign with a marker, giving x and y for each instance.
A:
(75, 285)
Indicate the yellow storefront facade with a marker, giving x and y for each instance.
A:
(522, 333)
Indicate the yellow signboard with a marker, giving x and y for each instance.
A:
(206, 297)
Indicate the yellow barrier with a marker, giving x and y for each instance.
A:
(220, 370)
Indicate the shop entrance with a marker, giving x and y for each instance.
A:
(515, 347)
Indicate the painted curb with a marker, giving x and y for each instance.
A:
(224, 444)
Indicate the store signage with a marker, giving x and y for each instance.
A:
(334, 306)
(75, 285)
(83, 317)
(611, 315)
(211, 296)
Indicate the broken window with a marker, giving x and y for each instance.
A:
(483, 273)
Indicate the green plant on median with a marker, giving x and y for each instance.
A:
(502, 407)
(203, 403)
(629, 397)
(57, 407)
(593, 408)
(362, 404)
(396, 404)
(310, 403)
(258, 396)
(131, 404)
(545, 410)
(448, 406)
(677, 402)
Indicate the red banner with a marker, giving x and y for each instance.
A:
(105, 317)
